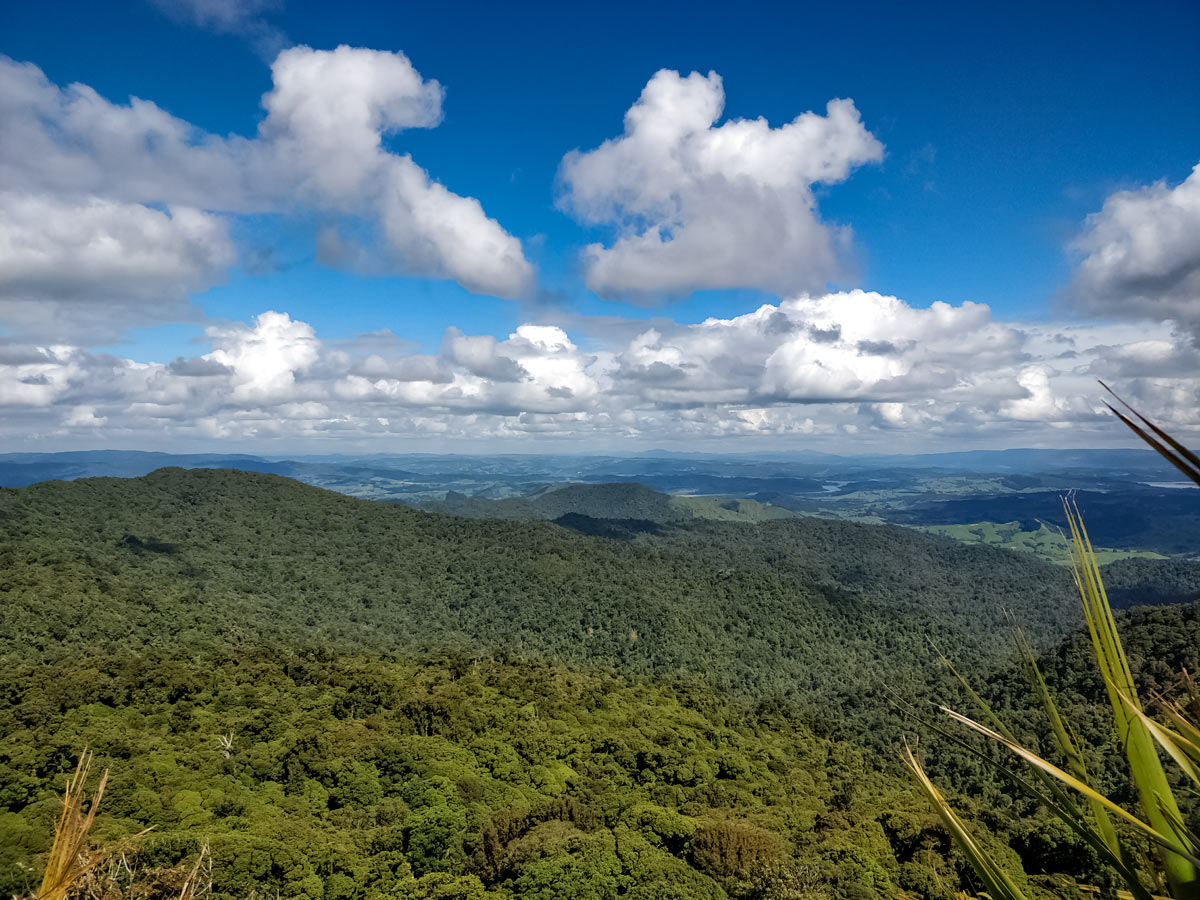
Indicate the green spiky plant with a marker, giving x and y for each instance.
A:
(1177, 849)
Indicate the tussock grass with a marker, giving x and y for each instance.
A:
(69, 861)
(999, 884)
(199, 881)
(74, 868)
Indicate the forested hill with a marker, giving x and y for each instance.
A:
(616, 500)
(215, 558)
(1151, 582)
(603, 501)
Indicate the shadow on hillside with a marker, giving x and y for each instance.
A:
(617, 529)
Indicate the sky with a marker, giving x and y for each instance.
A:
(284, 227)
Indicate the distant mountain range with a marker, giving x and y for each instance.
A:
(809, 469)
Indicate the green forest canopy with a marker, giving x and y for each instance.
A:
(402, 723)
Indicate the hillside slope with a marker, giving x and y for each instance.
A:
(207, 558)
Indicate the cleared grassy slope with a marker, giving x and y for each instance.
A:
(1044, 542)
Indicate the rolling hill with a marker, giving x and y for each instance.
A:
(797, 607)
(616, 500)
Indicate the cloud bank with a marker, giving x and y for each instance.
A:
(853, 369)
(696, 205)
(114, 215)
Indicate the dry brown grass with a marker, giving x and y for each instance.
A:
(69, 861)
(77, 869)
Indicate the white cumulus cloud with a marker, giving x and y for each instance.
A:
(697, 205)
(56, 253)
(1140, 255)
(319, 149)
(263, 361)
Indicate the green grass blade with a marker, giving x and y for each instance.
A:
(1056, 800)
(1066, 746)
(1185, 834)
(1186, 733)
(1189, 687)
(1178, 747)
(1158, 803)
(979, 702)
(1106, 830)
(1182, 465)
(1166, 840)
(1185, 460)
(1185, 718)
(999, 885)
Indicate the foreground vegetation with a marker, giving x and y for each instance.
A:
(324, 777)
(1158, 852)
(370, 777)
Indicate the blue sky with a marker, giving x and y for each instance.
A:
(1001, 132)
